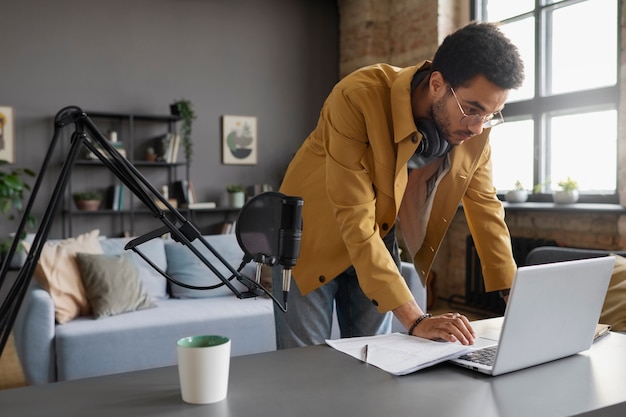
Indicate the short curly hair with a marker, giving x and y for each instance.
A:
(479, 48)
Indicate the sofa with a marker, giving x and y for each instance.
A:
(53, 346)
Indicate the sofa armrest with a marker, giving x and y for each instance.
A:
(34, 332)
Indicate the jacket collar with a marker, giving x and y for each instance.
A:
(401, 109)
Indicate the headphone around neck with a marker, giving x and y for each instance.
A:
(433, 144)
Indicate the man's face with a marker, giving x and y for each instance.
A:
(479, 96)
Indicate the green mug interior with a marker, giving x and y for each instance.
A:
(202, 341)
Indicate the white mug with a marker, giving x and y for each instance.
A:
(203, 368)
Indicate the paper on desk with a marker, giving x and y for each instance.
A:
(397, 353)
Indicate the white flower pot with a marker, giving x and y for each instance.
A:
(565, 197)
(237, 199)
(516, 196)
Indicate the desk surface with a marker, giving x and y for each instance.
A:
(317, 381)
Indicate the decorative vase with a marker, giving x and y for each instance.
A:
(516, 196)
(565, 196)
(237, 199)
(87, 205)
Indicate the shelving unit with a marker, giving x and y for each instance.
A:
(135, 133)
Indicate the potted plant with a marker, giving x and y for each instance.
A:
(236, 195)
(517, 195)
(184, 109)
(568, 194)
(12, 188)
(87, 200)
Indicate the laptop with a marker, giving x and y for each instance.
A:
(552, 312)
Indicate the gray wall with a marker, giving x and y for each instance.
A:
(273, 59)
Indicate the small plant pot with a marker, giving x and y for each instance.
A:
(87, 205)
(237, 199)
(565, 197)
(516, 196)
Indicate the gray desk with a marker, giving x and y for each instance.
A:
(319, 381)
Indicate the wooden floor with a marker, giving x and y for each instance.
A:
(11, 375)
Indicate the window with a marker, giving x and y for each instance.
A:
(563, 122)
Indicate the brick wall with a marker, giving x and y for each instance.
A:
(403, 32)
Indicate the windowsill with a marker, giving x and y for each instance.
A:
(579, 207)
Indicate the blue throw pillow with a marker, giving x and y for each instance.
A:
(184, 266)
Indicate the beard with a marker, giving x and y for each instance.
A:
(439, 115)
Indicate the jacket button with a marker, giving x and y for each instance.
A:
(322, 278)
(414, 138)
(385, 226)
(375, 303)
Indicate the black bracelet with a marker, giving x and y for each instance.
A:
(418, 321)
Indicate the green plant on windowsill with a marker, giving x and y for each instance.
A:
(517, 194)
(568, 194)
(568, 184)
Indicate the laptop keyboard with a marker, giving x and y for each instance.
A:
(484, 356)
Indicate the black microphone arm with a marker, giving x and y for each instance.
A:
(87, 134)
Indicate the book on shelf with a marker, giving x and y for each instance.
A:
(115, 197)
(227, 228)
(201, 205)
(258, 189)
(180, 191)
(191, 193)
(162, 147)
(173, 149)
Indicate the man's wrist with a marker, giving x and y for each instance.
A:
(418, 321)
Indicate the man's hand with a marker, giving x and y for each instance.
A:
(450, 327)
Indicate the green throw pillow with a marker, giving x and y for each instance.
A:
(112, 284)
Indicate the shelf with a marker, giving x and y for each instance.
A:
(137, 131)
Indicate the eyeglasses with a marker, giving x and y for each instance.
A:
(489, 120)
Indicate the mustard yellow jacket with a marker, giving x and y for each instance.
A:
(352, 173)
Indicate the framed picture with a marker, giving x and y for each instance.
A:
(7, 141)
(239, 140)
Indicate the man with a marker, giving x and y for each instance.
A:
(407, 144)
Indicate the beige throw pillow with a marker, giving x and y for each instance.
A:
(112, 284)
(57, 273)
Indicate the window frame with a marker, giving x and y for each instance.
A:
(542, 106)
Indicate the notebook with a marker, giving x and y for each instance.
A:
(552, 312)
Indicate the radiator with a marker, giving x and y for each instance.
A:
(475, 295)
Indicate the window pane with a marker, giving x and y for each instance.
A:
(498, 10)
(522, 34)
(573, 40)
(584, 147)
(512, 154)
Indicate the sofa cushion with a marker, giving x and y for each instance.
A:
(153, 282)
(147, 338)
(614, 308)
(57, 273)
(112, 284)
(184, 266)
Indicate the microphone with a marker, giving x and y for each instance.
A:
(289, 238)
